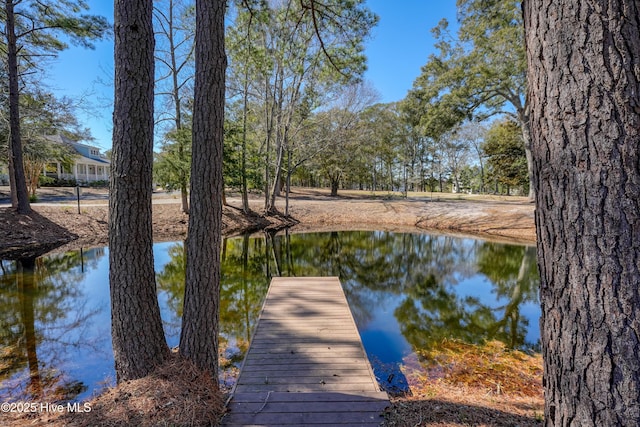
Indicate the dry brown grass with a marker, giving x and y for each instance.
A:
(471, 385)
(491, 367)
(175, 394)
(457, 407)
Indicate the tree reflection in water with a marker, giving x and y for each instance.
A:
(243, 287)
(433, 310)
(407, 293)
(417, 278)
(43, 313)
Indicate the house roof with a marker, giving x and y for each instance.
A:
(88, 152)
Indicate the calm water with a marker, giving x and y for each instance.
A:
(407, 292)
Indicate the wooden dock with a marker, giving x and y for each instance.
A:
(306, 364)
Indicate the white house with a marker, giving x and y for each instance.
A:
(89, 165)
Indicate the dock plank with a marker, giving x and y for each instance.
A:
(306, 364)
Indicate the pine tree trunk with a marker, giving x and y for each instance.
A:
(584, 82)
(20, 200)
(136, 328)
(200, 320)
(526, 136)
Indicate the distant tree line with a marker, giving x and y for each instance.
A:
(291, 110)
(294, 118)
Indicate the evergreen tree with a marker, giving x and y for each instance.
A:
(583, 84)
(136, 329)
(505, 155)
(31, 31)
(201, 313)
(479, 73)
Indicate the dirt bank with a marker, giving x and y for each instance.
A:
(505, 218)
(52, 224)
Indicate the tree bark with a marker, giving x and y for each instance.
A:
(136, 328)
(525, 124)
(335, 185)
(200, 320)
(16, 166)
(584, 82)
(12, 180)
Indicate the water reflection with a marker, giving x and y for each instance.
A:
(433, 309)
(45, 323)
(407, 292)
(244, 285)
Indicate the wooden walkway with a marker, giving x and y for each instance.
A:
(306, 364)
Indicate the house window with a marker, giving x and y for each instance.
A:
(82, 169)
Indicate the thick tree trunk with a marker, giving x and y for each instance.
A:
(584, 86)
(200, 319)
(136, 328)
(19, 183)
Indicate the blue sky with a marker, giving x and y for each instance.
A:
(402, 42)
(400, 45)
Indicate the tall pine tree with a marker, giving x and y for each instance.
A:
(32, 30)
(584, 86)
(136, 328)
(200, 319)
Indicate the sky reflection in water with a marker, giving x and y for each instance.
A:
(406, 292)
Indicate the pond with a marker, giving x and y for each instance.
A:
(406, 291)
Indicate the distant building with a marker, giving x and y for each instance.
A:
(89, 166)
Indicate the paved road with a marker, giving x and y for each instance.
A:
(88, 199)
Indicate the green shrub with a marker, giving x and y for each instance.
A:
(45, 181)
(98, 184)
